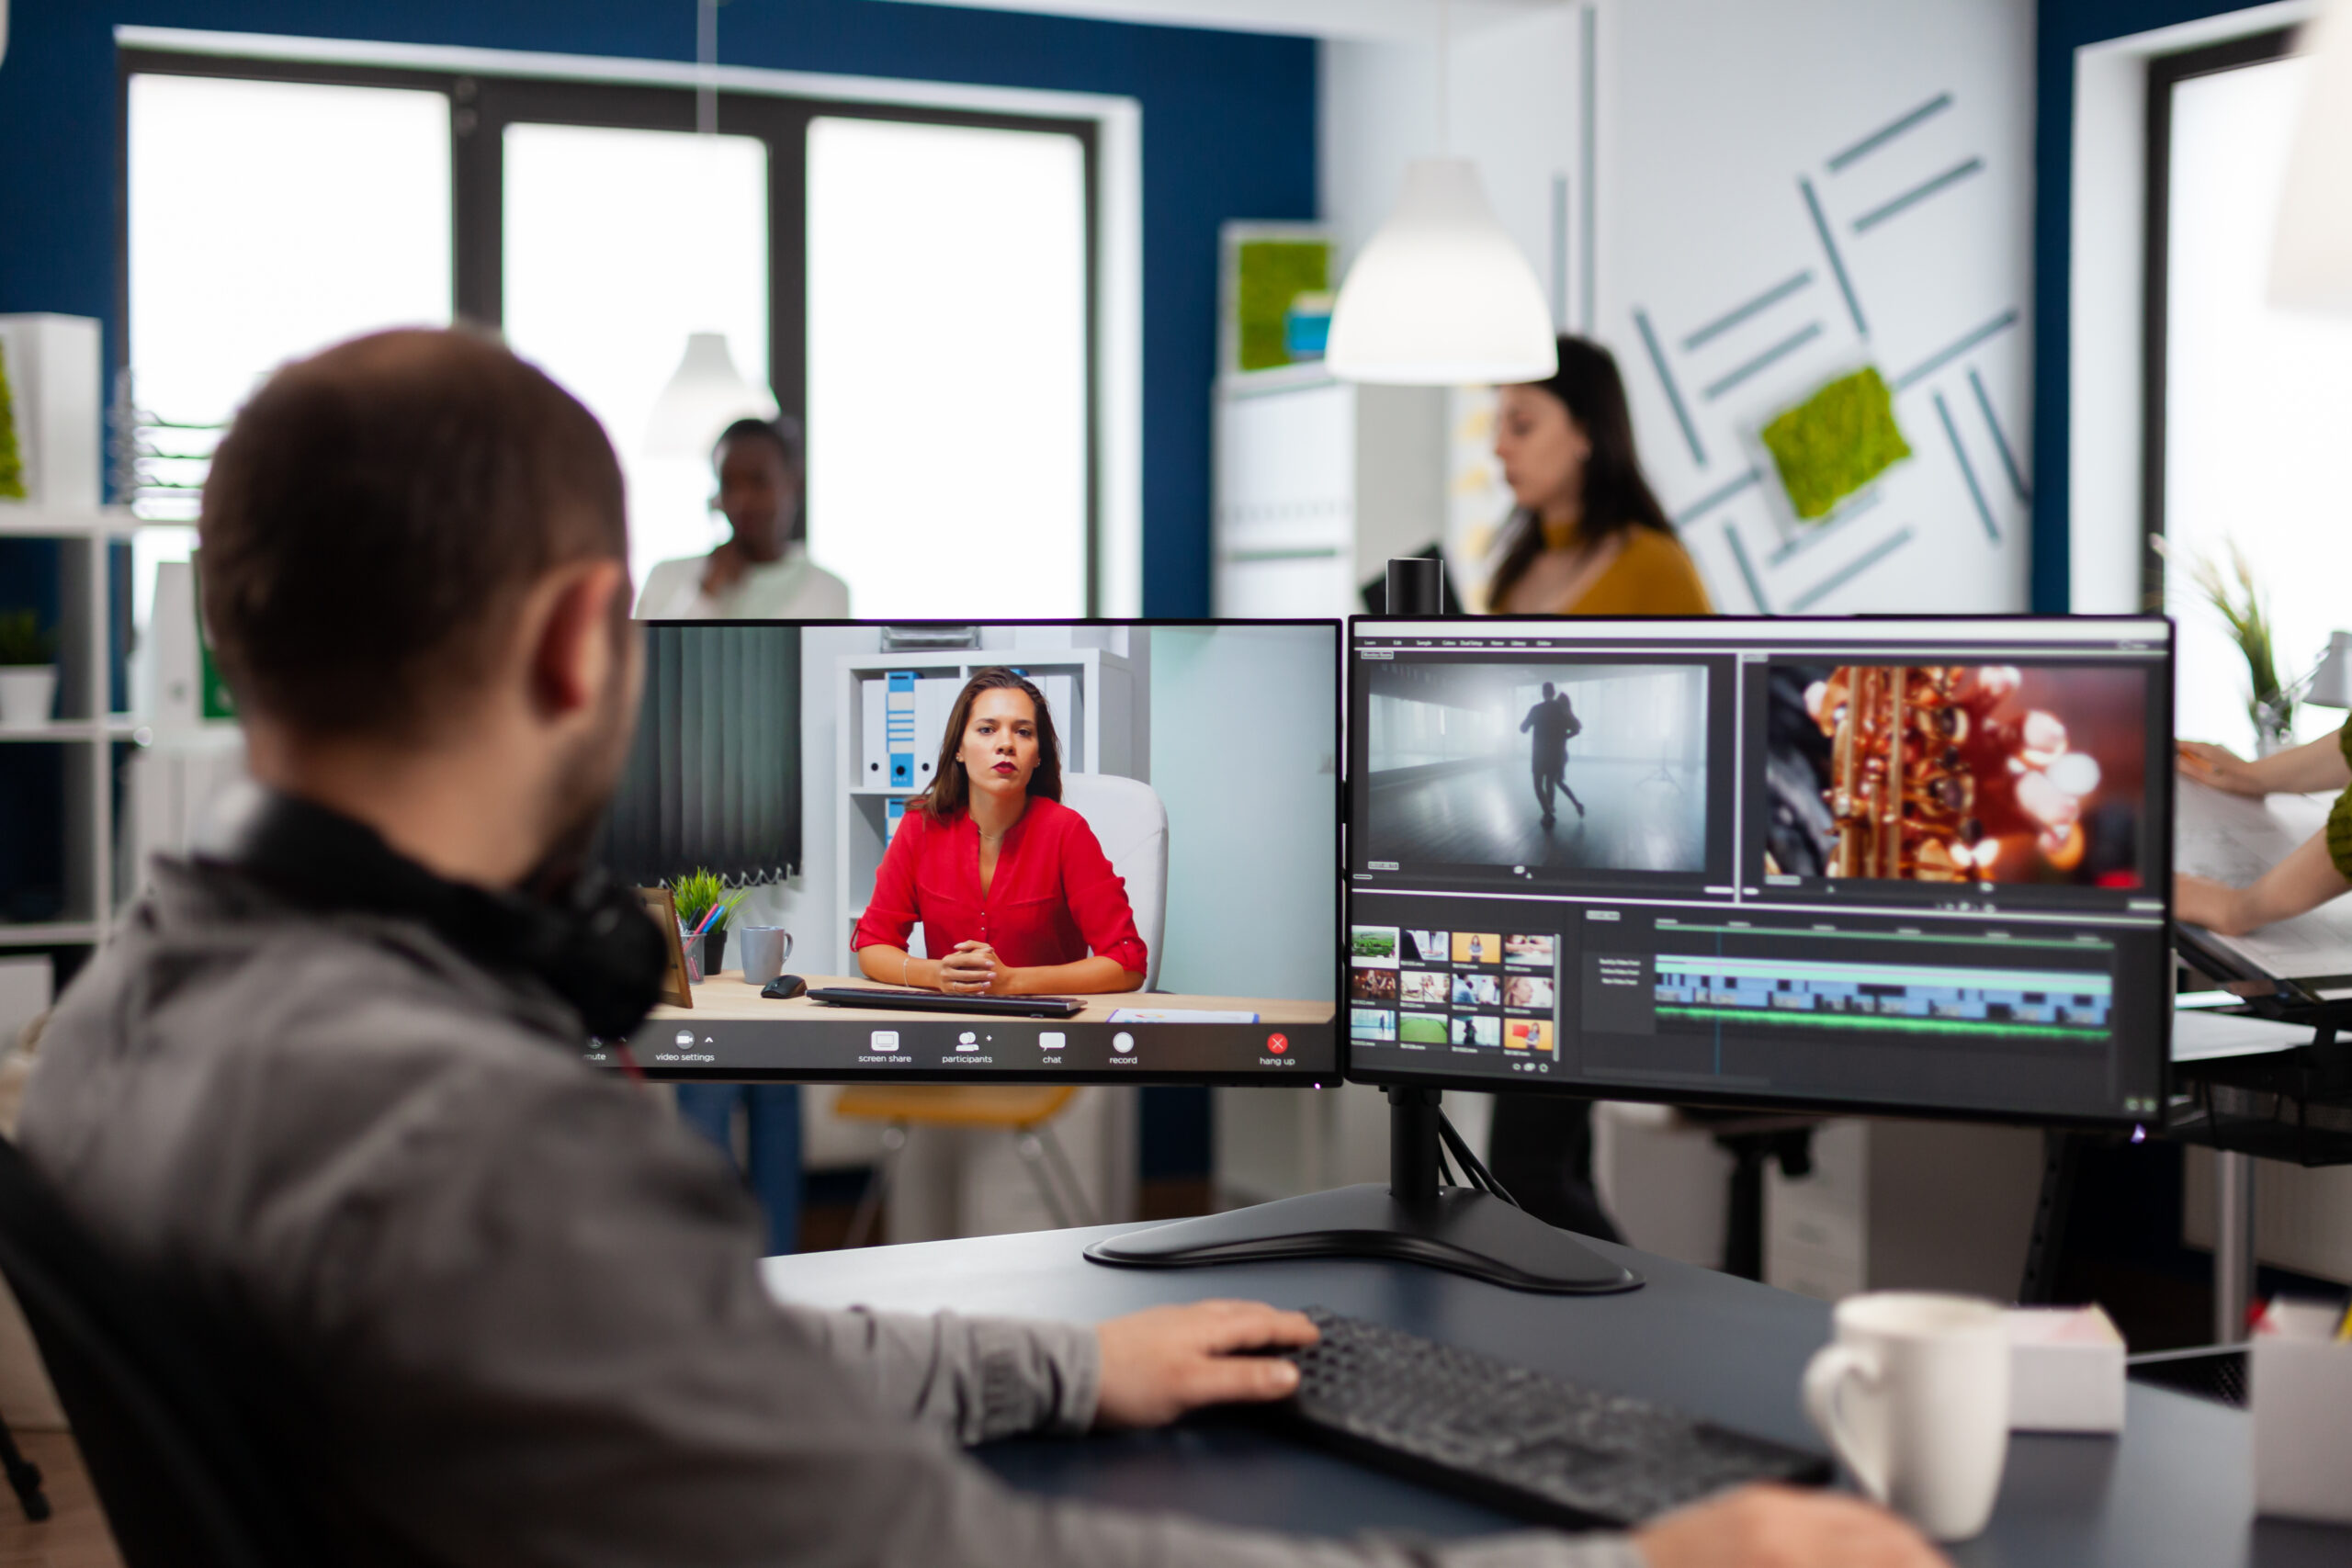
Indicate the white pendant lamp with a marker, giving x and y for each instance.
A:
(706, 394)
(1440, 296)
(2311, 259)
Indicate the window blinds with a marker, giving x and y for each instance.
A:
(714, 775)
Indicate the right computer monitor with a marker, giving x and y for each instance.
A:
(1915, 864)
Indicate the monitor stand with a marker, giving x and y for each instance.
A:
(1411, 1220)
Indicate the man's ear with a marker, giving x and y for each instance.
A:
(575, 652)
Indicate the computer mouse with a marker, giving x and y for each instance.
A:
(784, 987)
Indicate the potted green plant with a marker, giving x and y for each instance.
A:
(2270, 703)
(28, 671)
(697, 893)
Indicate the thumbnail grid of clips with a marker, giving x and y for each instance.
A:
(1492, 989)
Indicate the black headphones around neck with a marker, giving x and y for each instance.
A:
(593, 944)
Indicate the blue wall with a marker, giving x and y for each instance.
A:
(1228, 132)
(2066, 26)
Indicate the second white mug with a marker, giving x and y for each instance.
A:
(1914, 1394)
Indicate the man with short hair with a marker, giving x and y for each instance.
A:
(325, 1084)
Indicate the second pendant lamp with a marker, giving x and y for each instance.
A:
(1440, 296)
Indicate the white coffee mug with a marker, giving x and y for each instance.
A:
(763, 950)
(1914, 1394)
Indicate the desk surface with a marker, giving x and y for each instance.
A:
(2176, 1488)
(725, 995)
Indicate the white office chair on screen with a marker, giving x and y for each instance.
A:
(1131, 824)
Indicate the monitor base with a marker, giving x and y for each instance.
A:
(1455, 1229)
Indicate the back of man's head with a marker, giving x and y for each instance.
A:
(375, 514)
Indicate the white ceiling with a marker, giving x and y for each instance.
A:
(1388, 20)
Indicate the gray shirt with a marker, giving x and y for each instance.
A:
(523, 1302)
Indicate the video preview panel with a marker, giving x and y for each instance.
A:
(1937, 876)
(1506, 767)
(1142, 817)
(1957, 773)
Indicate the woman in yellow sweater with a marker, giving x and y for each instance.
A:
(1587, 536)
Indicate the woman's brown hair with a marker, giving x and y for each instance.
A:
(1616, 496)
(950, 791)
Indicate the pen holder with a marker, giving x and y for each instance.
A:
(2300, 1397)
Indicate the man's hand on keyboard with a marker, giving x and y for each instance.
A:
(1160, 1363)
(1777, 1526)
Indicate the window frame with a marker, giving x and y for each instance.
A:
(482, 104)
(2166, 72)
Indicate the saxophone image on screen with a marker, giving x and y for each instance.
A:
(1965, 773)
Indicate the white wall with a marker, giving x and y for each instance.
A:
(1714, 118)
(1245, 754)
(1705, 116)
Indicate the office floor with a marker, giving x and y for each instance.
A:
(74, 1534)
(1637, 816)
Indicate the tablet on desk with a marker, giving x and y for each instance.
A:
(2233, 838)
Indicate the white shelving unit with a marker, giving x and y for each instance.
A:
(1317, 483)
(1098, 736)
(87, 726)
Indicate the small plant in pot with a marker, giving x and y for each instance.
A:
(697, 892)
(28, 671)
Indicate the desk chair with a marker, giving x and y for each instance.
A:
(1024, 1112)
(185, 1476)
(1130, 822)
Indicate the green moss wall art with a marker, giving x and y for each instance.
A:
(1271, 274)
(1835, 442)
(12, 456)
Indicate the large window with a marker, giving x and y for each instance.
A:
(617, 243)
(948, 293)
(2250, 406)
(247, 246)
(917, 284)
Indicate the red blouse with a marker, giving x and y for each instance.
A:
(1054, 897)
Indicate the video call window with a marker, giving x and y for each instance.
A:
(1179, 892)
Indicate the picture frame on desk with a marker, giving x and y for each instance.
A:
(663, 910)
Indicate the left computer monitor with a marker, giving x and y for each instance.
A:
(1192, 834)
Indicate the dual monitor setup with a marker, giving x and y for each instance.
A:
(1886, 865)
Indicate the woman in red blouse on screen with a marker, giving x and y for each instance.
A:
(1007, 880)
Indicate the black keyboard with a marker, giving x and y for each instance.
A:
(893, 997)
(1517, 1438)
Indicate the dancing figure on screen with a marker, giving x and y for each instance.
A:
(1010, 883)
(1552, 723)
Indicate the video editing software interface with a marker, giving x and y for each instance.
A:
(1913, 864)
(1195, 837)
